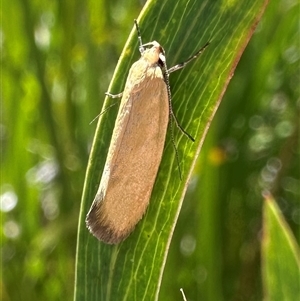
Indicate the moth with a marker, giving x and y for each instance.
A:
(137, 144)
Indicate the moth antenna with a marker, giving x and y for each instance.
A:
(141, 47)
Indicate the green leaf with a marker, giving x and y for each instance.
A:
(280, 256)
(133, 269)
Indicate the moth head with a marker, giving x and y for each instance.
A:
(155, 54)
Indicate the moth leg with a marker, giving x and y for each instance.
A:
(183, 64)
(180, 127)
(112, 96)
(119, 95)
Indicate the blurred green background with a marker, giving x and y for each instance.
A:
(57, 60)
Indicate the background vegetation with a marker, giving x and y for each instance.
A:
(57, 62)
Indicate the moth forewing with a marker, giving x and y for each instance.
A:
(134, 153)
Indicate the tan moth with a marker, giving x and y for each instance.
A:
(136, 146)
